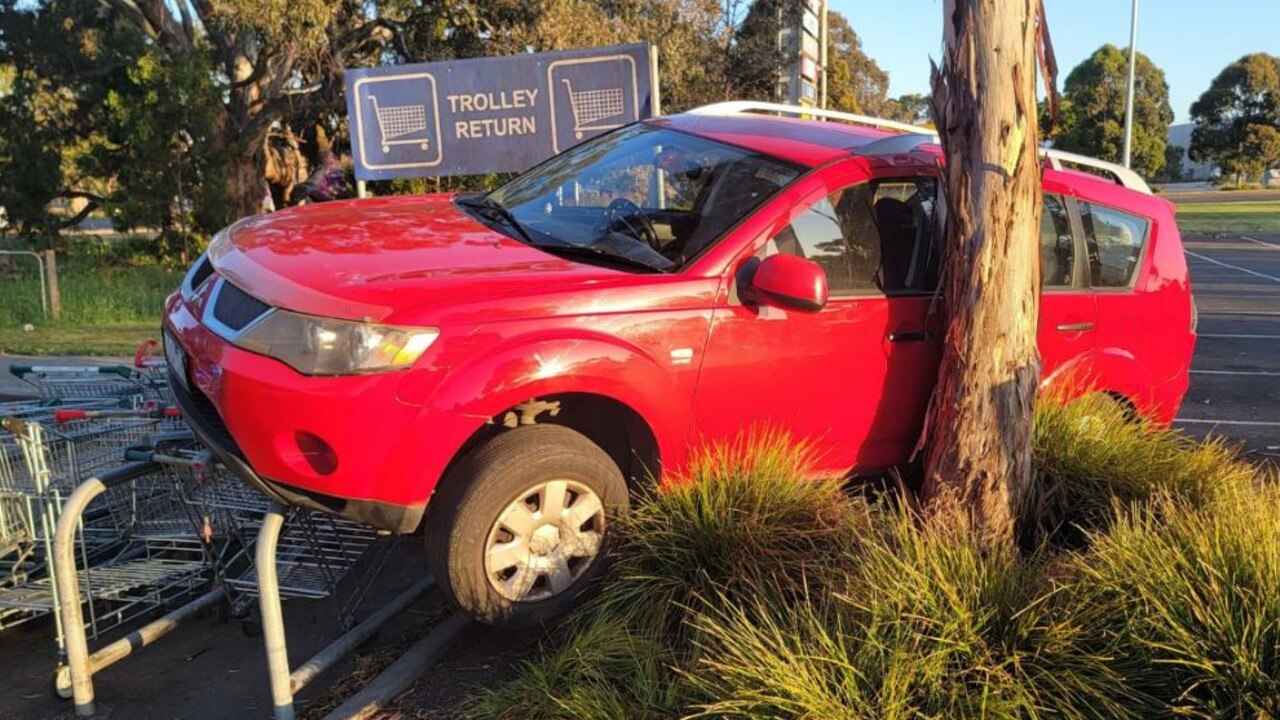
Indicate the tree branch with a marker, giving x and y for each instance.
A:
(94, 202)
(167, 29)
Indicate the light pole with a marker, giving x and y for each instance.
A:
(1133, 72)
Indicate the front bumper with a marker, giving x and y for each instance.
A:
(384, 449)
(208, 426)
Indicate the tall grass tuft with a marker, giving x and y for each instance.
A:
(928, 627)
(1188, 596)
(1093, 453)
(746, 513)
(603, 670)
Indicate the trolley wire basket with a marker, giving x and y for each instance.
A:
(84, 382)
(42, 463)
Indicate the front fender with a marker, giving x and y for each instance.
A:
(532, 368)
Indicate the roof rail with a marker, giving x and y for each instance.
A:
(736, 107)
(1123, 175)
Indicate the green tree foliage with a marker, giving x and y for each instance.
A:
(1238, 118)
(911, 108)
(855, 83)
(1091, 121)
(99, 115)
(755, 55)
(162, 112)
(1175, 168)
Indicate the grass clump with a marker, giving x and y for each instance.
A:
(929, 626)
(746, 514)
(1093, 453)
(1191, 594)
(748, 591)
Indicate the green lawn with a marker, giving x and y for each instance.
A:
(108, 306)
(1244, 217)
(114, 340)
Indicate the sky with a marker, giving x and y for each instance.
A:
(1191, 40)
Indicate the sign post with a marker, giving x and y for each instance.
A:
(495, 114)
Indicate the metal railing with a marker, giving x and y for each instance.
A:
(44, 289)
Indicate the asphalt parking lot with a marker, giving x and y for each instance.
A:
(1235, 378)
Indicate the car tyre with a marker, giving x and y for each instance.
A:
(516, 532)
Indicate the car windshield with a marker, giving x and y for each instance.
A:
(644, 198)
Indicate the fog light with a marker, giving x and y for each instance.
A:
(316, 452)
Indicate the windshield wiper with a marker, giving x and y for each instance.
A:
(495, 211)
(587, 251)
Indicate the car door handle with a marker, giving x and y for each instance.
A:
(910, 336)
(1075, 327)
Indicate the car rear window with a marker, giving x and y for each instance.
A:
(1114, 241)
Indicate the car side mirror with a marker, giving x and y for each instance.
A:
(790, 281)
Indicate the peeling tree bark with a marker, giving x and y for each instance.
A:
(977, 436)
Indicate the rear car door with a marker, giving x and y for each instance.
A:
(1115, 242)
(1068, 315)
(854, 378)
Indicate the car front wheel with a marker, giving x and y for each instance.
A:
(517, 531)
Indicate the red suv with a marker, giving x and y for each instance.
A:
(509, 365)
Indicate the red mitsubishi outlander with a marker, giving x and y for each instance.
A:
(501, 369)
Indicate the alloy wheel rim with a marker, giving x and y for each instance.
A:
(544, 540)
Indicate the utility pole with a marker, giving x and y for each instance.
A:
(1133, 74)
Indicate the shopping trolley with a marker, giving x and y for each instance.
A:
(399, 120)
(592, 106)
(86, 383)
(150, 364)
(43, 461)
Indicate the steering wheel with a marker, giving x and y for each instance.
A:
(623, 209)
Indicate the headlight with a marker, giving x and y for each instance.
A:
(321, 346)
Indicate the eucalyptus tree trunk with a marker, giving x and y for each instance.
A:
(978, 432)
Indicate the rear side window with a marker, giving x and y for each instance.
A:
(1057, 244)
(870, 237)
(1114, 241)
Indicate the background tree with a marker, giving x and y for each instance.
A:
(978, 430)
(1237, 117)
(855, 83)
(1091, 121)
(754, 57)
(910, 108)
(1175, 167)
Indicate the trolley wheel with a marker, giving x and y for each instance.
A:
(518, 527)
(386, 148)
(240, 608)
(578, 134)
(60, 683)
(423, 146)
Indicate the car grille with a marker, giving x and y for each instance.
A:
(235, 308)
(205, 415)
(201, 272)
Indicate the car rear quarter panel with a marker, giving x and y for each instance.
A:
(1146, 354)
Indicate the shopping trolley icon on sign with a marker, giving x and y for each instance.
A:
(592, 106)
(397, 121)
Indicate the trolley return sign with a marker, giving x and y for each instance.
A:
(496, 114)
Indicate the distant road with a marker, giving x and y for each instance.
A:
(1200, 197)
